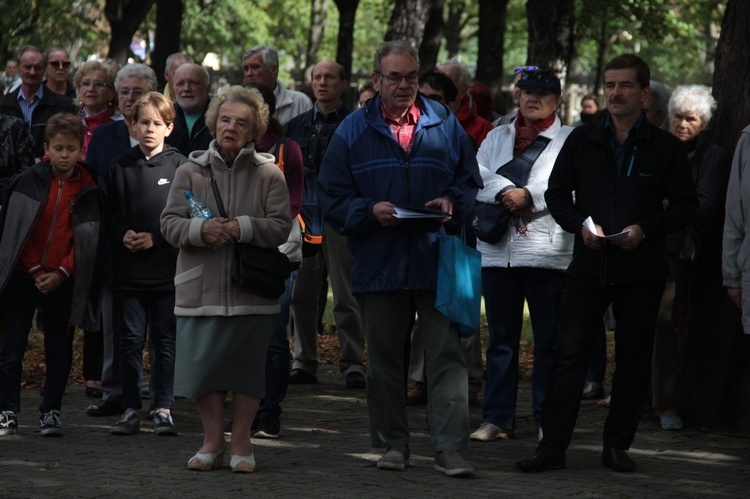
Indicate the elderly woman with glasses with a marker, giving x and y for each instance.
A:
(528, 262)
(95, 83)
(690, 109)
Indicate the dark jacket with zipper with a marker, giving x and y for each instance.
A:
(365, 165)
(137, 190)
(200, 137)
(22, 208)
(653, 188)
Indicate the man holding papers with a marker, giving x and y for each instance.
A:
(403, 151)
(619, 171)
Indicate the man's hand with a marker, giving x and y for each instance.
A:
(46, 283)
(632, 240)
(735, 294)
(590, 239)
(216, 232)
(442, 203)
(138, 241)
(383, 213)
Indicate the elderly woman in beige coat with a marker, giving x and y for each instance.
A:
(222, 328)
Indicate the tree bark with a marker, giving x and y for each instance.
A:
(124, 17)
(551, 35)
(433, 35)
(408, 21)
(318, 21)
(167, 39)
(345, 45)
(714, 385)
(491, 40)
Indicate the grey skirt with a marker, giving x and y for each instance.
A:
(222, 353)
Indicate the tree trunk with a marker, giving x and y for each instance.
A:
(714, 385)
(491, 38)
(551, 36)
(433, 35)
(318, 21)
(452, 28)
(167, 39)
(408, 20)
(124, 17)
(345, 46)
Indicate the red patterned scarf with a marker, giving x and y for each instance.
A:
(526, 134)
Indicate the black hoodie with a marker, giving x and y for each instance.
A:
(137, 191)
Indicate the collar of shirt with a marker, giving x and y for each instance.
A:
(36, 96)
(403, 130)
(411, 117)
(331, 116)
(619, 149)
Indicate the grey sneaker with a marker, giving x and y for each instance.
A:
(163, 424)
(8, 423)
(129, 424)
(451, 463)
(395, 458)
(50, 425)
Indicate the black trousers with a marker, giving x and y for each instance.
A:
(635, 306)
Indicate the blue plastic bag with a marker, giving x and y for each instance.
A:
(459, 283)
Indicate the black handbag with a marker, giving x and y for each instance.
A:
(491, 221)
(263, 271)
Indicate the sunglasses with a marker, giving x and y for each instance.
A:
(60, 64)
(525, 68)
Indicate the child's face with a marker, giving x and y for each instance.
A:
(64, 150)
(150, 130)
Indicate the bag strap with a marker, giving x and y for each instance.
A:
(217, 195)
(529, 156)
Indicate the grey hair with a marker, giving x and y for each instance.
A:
(660, 97)
(270, 55)
(693, 98)
(395, 47)
(30, 48)
(172, 57)
(139, 70)
(465, 79)
(251, 97)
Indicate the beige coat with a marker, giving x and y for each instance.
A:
(255, 194)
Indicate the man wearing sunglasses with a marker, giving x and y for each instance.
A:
(33, 102)
(58, 72)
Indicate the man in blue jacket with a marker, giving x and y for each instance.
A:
(403, 150)
(623, 171)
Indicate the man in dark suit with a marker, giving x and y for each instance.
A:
(33, 102)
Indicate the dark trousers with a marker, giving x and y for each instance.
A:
(583, 304)
(136, 312)
(20, 300)
(278, 357)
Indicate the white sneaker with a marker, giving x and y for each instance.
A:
(488, 432)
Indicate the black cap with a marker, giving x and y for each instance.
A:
(540, 79)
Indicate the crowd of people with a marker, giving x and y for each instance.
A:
(123, 207)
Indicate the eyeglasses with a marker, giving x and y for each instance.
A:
(397, 78)
(95, 84)
(60, 64)
(525, 68)
(538, 75)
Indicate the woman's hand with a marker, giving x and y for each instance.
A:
(216, 232)
(515, 199)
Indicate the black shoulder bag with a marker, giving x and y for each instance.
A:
(263, 271)
(491, 220)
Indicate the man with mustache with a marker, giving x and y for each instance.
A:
(622, 169)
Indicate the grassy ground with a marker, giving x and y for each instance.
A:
(34, 365)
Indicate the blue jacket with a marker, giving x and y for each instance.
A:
(364, 165)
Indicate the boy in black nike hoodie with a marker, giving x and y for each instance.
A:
(137, 185)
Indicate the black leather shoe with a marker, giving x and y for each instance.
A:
(355, 379)
(617, 459)
(301, 377)
(546, 457)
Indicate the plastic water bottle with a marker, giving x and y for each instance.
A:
(196, 207)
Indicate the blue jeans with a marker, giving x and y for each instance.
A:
(19, 301)
(135, 312)
(505, 290)
(277, 358)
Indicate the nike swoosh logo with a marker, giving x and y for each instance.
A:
(162, 181)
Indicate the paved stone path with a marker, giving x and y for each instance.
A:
(324, 452)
